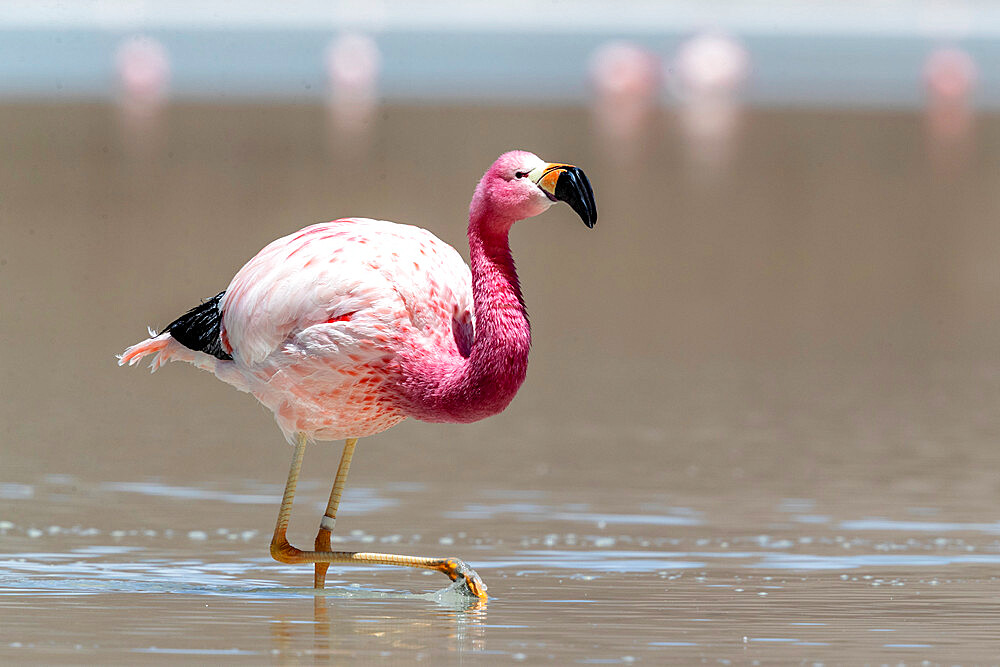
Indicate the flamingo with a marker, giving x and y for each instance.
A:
(143, 67)
(711, 69)
(626, 80)
(352, 69)
(346, 328)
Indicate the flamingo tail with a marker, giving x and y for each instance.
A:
(163, 348)
(195, 337)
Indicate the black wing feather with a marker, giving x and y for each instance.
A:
(200, 329)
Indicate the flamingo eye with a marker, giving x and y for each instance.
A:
(520, 174)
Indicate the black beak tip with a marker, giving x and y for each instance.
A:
(573, 187)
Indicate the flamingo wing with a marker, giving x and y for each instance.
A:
(350, 288)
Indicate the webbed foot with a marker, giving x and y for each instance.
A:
(457, 570)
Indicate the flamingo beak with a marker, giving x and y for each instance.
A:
(564, 182)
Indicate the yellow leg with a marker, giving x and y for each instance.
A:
(284, 552)
(330, 516)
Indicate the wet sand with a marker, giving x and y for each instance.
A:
(760, 420)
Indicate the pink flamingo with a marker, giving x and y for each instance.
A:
(143, 72)
(710, 71)
(950, 75)
(950, 78)
(143, 68)
(346, 328)
(352, 70)
(625, 79)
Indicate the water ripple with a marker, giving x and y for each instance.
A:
(921, 526)
(357, 500)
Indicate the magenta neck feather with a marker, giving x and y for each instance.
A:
(456, 389)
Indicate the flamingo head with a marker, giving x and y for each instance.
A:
(521, 185)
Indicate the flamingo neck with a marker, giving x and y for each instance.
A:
(456, 389)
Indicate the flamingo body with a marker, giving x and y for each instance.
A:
(343, 329)
(317, 323)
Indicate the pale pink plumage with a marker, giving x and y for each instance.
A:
(343, 329)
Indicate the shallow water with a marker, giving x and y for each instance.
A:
(637, 579)
(760, 421)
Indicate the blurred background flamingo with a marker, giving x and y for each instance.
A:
(142, 67)
(950, 76)
(352, 62)
(707, 75)
(625, 81)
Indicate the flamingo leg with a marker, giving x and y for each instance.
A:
(330, 516)
(284, 552)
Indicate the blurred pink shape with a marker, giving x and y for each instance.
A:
(621, 70)
(142, 67)
(625, 80)
(711, 65)
(709, 72)
(353, 63)
(143, 70)
(950, 76)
